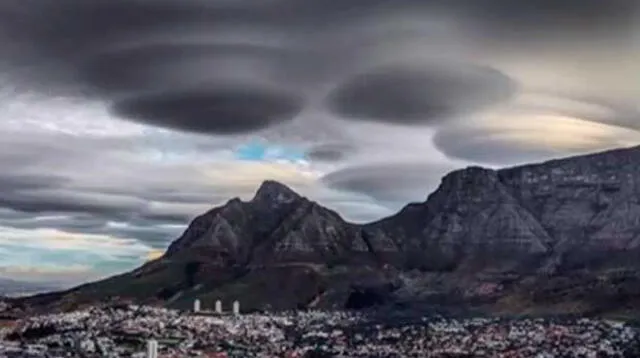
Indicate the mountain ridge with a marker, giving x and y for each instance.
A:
(531, 237)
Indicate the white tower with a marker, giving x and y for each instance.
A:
(236, 308)
(152, 348)
(218, 307)
(196, 305)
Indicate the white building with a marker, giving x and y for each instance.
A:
(196, 305)
(218, 307)
(236, 307)
(152, 348)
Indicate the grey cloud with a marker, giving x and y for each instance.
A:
(359, 213)
(519, 22)
(156, 237)
(8, 215)
(66, 222)
(503, 146)
(330, 152)
(171, 218)
(91, 214)
(137, 204)
(62, 200)
(220, 110)
(14, 182)
(313, 128)
(46, 183)
(76, 27)
(478, 145)
(179, 196)
(35, 176)
(493, 147)
(531, 21)
(392, 183)
(146, 232)
(41, 150)
(425, 94)
(590, 108)
(160, 66)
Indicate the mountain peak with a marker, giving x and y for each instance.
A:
(275, 192)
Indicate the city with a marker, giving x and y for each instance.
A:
(152, 332)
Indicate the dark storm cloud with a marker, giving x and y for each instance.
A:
(152, 67)
(330, 152)
(143, 50)
(507, 20)
(391, 183)
(549, 20)
(109, 48)
(220, 110)
(426, 94)
(72, 28)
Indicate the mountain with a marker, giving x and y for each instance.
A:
(559, 236)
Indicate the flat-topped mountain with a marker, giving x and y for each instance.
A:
(559, 236)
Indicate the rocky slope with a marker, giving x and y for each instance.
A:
(559, 236)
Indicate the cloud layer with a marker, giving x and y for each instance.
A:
(198, 66)
(539, 126)
(423, 94)
(122, 119)
(393, 184)
(221, 110)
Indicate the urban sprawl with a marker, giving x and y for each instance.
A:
(145, 331)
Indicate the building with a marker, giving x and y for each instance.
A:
(152, 348)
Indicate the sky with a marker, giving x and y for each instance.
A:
(121, 120)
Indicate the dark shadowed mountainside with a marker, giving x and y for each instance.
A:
(556, 237)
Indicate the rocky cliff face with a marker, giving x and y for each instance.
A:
(470, 222)
(563, 232)
(588, 205)
(571, 213)
(277, 226)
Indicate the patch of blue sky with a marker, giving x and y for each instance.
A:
(266, 152)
